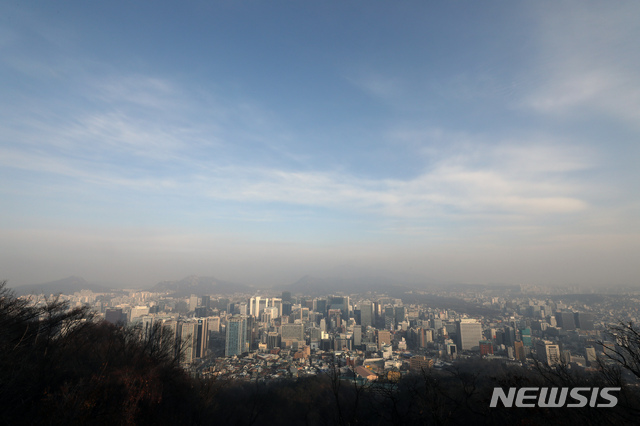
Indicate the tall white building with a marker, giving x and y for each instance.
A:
(236, 341)
(469, 334)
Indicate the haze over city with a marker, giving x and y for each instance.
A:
(260, 142)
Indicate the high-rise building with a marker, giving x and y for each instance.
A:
(486, 347)
(425, 335)
(277, 304)
(340, 302)
(519, 353)
(195, 335)
(273, 340)
(525, 333)
(469, 334)
(547, 352)
(566, 320)
(115, 316)
(189, 339)
(320, 305)
(584, 321)
(399, 314)
(436, 323)
(366, 314)
(389, 318)
(193, 302)
(254, 306)
(243, 309)
(383, 337)
(236, 341)
(357, 335)
(205, 301)
(292, 332)
(214, 324)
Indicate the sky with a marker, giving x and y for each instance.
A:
(474, 142)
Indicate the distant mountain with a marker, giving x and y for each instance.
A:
(199, 286)
(350, 279)
(67, 285)
(314, 285)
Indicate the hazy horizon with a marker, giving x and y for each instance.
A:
(260, 142)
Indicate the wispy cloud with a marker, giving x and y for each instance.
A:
(587, 61)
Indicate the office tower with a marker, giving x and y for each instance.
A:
(243, 309)
(286, 308)
(450, 349)
(366, 314)
(315, 333)
(590, 355)
(383, 337)
(436, 323)
(236, 339)
(343, 342)
(202, 337)
(277, 304)
(189, 339)
(565, 320)
(254, 306)
(469, 334)
(399, 314)
(273, 340)
(509, 335)
(425, 335)
(115, 316)
(214, 324)
(271, 312)
(357, 335)
(547, 352)
(320, 305)
(584, 321)
(292, 332)
(205, 301)
(518, 347)
(335, 318)
(525, 333)
(389, 318)
(200, 312)
(286, 296)
(486, 347)
(193, 302)
(301, 314)
(339, 302)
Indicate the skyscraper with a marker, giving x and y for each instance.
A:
(389, 318)
(584, 321)
(292, 332)
(236, 341)
(566, 320)
(366, 314)
(340, 302)
(547, 352)
(399, 314)
(469, 334)
(193, 302)
(189, 331)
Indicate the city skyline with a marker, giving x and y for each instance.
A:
(259, 143)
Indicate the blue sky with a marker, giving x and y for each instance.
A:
(258, 141)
